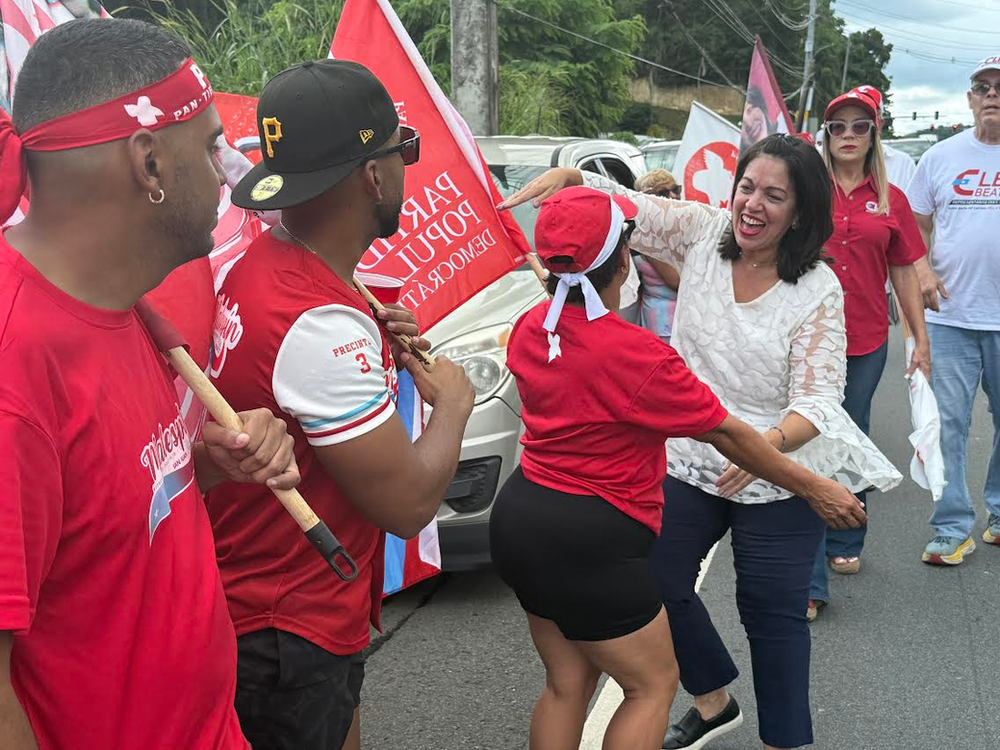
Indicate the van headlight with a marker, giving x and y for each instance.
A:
(483, 356)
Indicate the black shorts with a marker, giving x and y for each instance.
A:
(293, 695)
(576, 560)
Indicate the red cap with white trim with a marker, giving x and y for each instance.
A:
(584, 225)
(868, 98)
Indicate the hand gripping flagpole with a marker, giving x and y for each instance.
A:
(423, 357)
(319, 535)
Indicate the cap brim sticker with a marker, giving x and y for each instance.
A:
(268, 187)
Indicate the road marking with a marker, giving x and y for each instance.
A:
(611, 694)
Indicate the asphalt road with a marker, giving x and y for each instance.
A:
(906, 657)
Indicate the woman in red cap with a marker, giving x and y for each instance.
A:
(760, 320)
(572, 528)
(875, 237)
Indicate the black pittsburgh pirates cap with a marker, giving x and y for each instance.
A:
(317, 122)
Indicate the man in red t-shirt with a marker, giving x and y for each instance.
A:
(297, 336)
(114, 632)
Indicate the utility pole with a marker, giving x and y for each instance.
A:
(808, 68)
(847, 57)
(475, 64)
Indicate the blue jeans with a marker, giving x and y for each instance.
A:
(773, 548)
(863, 374)
(962, 359)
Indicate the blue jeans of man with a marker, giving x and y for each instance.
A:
(962, 359)
(773, 549)
(863, 375)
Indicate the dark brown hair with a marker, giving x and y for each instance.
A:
(802, 246)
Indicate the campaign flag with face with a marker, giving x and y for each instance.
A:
(452, 242)
(765, 112)
(706, 159)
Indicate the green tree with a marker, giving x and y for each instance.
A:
(713, 40)
(241, 44)
(869, 54)
(551, 82)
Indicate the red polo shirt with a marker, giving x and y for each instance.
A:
(864, 244)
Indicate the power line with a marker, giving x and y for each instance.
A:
(857, 16)
(927, 57)
(629, 55)
(705, 56)
(728, 17)
(787, 22)
(774, 33)
(980, 8)
(903, 17)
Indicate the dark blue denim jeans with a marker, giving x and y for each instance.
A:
(774, 545)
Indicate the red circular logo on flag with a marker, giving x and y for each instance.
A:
(708, 175)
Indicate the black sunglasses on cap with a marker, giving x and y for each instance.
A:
(860, 128)
(408, 147)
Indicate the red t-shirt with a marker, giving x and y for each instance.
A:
(598, 400)
(863, 246)
(296, 339)
(107, 568)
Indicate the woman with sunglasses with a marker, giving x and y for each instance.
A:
(572, 527)
(658, 293)
(875, 237)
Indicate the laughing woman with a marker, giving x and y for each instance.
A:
(760, 320)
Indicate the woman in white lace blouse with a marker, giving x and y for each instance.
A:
(759, 319)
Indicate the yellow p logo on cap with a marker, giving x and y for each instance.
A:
(272, 133)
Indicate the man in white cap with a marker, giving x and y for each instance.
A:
(955, 195)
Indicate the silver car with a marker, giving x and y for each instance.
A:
(475, 336)
(661, 154)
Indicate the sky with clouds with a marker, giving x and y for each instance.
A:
(936, 45)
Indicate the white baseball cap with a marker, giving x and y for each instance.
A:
(990, 63)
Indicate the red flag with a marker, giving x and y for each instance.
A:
(239, 120)
(765, 112)
(452, 242)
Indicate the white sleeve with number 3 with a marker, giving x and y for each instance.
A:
(329, 375)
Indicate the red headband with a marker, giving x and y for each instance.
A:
(177, 98)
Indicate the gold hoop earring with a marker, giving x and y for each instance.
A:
(157, 201)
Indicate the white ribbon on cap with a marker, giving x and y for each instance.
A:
(595, 307)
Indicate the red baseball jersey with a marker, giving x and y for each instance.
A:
(295, 338)
(599, 399)
(108, 580)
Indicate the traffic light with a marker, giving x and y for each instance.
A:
(914, 115)
(935, 114)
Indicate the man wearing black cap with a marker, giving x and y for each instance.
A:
(297, 335)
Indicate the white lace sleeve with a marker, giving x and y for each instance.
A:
(818, 373)
(817, 360)
(666, 229)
